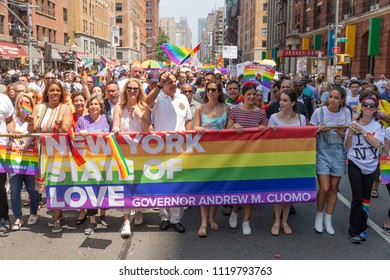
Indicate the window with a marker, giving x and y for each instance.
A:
(148, 20)
(265, 6)
(119, 55)
(118, 19)
(118, 7)
(265, 19)
(85, 46)
(148, 28)
(66, 39)
(2, 24)
(149, 12)
(263, 43)
(120, 43)
(65, 11)
(120, 31)
(264, 31)
(149, 4)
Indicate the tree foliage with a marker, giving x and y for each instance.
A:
(159, 54)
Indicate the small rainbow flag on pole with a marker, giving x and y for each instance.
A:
(27, 109)
(220, 62)
(191, 53)
(118, 155)
(75, 154)
(175, 53)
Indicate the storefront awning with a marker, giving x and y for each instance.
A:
(11, 51)
(35, 53)
(55, 55)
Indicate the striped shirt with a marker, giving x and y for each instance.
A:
(247, 119)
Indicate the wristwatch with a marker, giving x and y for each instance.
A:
(159, 86)
(365, 134)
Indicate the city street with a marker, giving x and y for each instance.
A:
(147, 242)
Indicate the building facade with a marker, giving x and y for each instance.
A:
(364, 24)
(152, 26)
(252, 35)
(183, 33)
(168, 26)
(206, 46)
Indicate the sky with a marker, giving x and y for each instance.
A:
(193, 9)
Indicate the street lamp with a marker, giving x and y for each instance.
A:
(28, 28)
(336, 31)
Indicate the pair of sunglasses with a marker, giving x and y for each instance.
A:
(371, 105)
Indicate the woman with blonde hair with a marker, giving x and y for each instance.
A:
(16, 180)
(131, 114)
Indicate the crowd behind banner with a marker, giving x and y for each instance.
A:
(351, 116)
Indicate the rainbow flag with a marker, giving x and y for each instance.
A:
(98, 81)
(102, 73)
(16, 163)
(92, 73)
(118, 155)
(191, 53)
(27, 109)
(385, 169)
(259, 75)
(220, 62)
(168, 65)
(208, 67)
(256, 167)
(75, 154)
(175, 53)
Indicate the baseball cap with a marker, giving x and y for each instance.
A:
(154, 76)
(14, 77)
(35, 77)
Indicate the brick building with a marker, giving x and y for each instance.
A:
(366, 25)
(152, 26)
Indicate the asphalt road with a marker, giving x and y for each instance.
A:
(147, 242)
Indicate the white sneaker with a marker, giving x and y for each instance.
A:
(32, 220)
(328, 224)
(246, 228)
(17, 225)
(319, 222)
(126, 231)
(233, 220)
(138, 220)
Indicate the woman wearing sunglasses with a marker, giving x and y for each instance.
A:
(243, 116)
(210, 116)
(131, 114)
(363, 139)
(330, 162)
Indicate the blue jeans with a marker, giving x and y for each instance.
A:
(16, 182)
(3, 197)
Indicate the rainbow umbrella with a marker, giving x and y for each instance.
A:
(151, 64)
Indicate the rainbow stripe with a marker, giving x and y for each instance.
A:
(175, 53)
(75, 154)
(191, 53)
(259, 75)
(27, 109)
(254, 167)
(385, 169)
(118, 155)
(102, 73)
(208, 67)
(15, 163)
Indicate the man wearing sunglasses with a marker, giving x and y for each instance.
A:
(171, 112)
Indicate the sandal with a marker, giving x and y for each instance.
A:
(374, 193)
(214, 226)
(26, 203)
(81, 221)
(17, 225)
(275, 230)
(286, 228)
(202, 232)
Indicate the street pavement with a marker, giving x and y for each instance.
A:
(147, 242)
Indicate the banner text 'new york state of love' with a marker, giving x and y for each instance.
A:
(170, 169)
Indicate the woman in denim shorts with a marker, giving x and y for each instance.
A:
(331, 156)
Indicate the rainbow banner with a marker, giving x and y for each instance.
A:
(259, 75)
(16, 163)
(183, 169)
(175, 53)
(118, 155)
(79, 160)
(385, 169)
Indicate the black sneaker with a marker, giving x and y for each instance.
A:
(292, 210)
(90, 229)
(104, 221)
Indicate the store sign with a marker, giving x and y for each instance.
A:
(297, 53)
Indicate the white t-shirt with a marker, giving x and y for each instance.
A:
(21, 127)
(6, 111)
(361, 152)
(171, 114)
(274, 120)
(343, 116)
(352, 101)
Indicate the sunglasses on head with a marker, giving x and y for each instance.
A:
(371, 105)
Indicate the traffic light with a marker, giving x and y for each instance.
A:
(343, 59)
